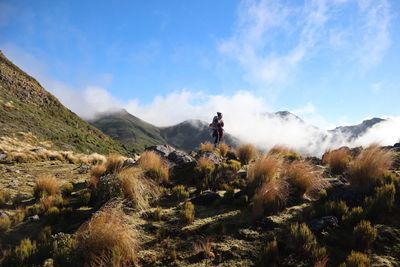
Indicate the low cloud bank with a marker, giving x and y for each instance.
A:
(245, 115)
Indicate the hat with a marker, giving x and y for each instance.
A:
(219, 113)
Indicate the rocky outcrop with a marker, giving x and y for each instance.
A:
(323, 223)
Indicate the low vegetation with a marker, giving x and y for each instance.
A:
(154, 166)
(107, 240)
(206, 147)
(46, 185)
(338, 160)
(368, 169)
(246, 153)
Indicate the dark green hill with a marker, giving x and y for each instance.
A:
(136, 134)
(25, 106)
(131, 131)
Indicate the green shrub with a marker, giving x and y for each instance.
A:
(338, 209)
(19, 216)
(5, 196)
(234, 164)
(5, 224)
(364, 235)
(62, 249)
(352, 218)
(67, 188)
(33, 210)
(180, 193)
(271, 253)
(25, 250)
(52, 214)
(382, 201)
(357, 259)
(157, 214)
(302, 240)
(188, 212)
(44, 234)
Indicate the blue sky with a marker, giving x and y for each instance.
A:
(331, 62)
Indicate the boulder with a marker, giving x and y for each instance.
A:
(320, 224)
(33, 218)
(162, 150)
(206, 198)
(3, 155)
(214, 157)
(180, 158)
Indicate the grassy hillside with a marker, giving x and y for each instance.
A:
(25, 106)
(134, 133)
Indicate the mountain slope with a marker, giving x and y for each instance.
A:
(189, 134)
(27, 107)
(131, 131)
(136, 134)
(355, 131)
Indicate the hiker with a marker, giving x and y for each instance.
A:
(217, 128)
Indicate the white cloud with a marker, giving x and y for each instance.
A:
(272, 39)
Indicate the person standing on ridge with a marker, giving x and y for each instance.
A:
(217, 128)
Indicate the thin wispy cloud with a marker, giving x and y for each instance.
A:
(269, 50)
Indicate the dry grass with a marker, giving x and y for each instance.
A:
(246, 153)
(188, 212)
(338, 160)
(46, 185)
(264, 170)
(285, 152)
(223, 149)
(137, 188)
(48, 202)
(205, 247)
(205, 164)
(206, 147)
(270, 197)
(303, 176)
(154, 166)
(107, 240)
(368, 168)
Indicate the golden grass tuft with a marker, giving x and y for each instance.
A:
(338, 160)
(137, 188)
(285, 152)
(204, 246)
(264, 170)
(206, 147)
(205, 164)
(303, 176)
(270, 197)
(154, 166)
(107, 240)
(114, 163)
(246, 153)
(188, 212)
(368, 169)
(46, 185)
(223, 149)
(357, 259)
(48, 202)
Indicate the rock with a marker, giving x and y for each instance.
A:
(33, 218)
(162, 150)
(3, 156)
(242, 173)
(215, 158)
(205, 198)
(397, 145)
(83, 169)
(129, 162)
(317, 225)
(180, 158)
(314, 160)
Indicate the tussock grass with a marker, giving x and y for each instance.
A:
(204, 246)
(368, 169)
(5, 196)
(303, 176)
(137, 188)
(270, 197)
(188, 212)
(285, 152)
(364, 235)
(154, 166)
(338, 160)
(107, 240)
(46, 185)
(357, 259)
(206, 147)
(264, 170)
(246, 153)
(223, 149)
(303, 241)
